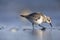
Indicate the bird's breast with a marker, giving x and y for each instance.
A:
(39, 21)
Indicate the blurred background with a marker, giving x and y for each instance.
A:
(10, 11)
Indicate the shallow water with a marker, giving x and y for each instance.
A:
(26, 35)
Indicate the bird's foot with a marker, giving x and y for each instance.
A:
(43, 29)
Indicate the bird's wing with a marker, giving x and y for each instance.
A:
(35, 16)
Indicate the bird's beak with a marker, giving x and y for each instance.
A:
(50, 24)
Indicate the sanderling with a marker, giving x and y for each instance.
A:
(38, 18)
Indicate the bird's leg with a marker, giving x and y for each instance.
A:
(33, 26)
(42, 26)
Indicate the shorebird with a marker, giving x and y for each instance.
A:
(38, 18)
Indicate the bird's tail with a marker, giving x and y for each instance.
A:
(23, 15)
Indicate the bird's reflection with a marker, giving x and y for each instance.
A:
(43, 35)
(40, 34)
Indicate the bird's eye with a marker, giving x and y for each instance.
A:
(48, 20)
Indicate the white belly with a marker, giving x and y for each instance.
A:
(39, 21)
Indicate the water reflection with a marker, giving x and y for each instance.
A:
(44, 35)
(14, 29)
(48, 34)
(41, 34)
(26, 35)
(1, 27)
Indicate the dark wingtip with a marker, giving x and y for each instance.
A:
(22, 15)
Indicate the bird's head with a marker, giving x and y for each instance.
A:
(48, 20)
